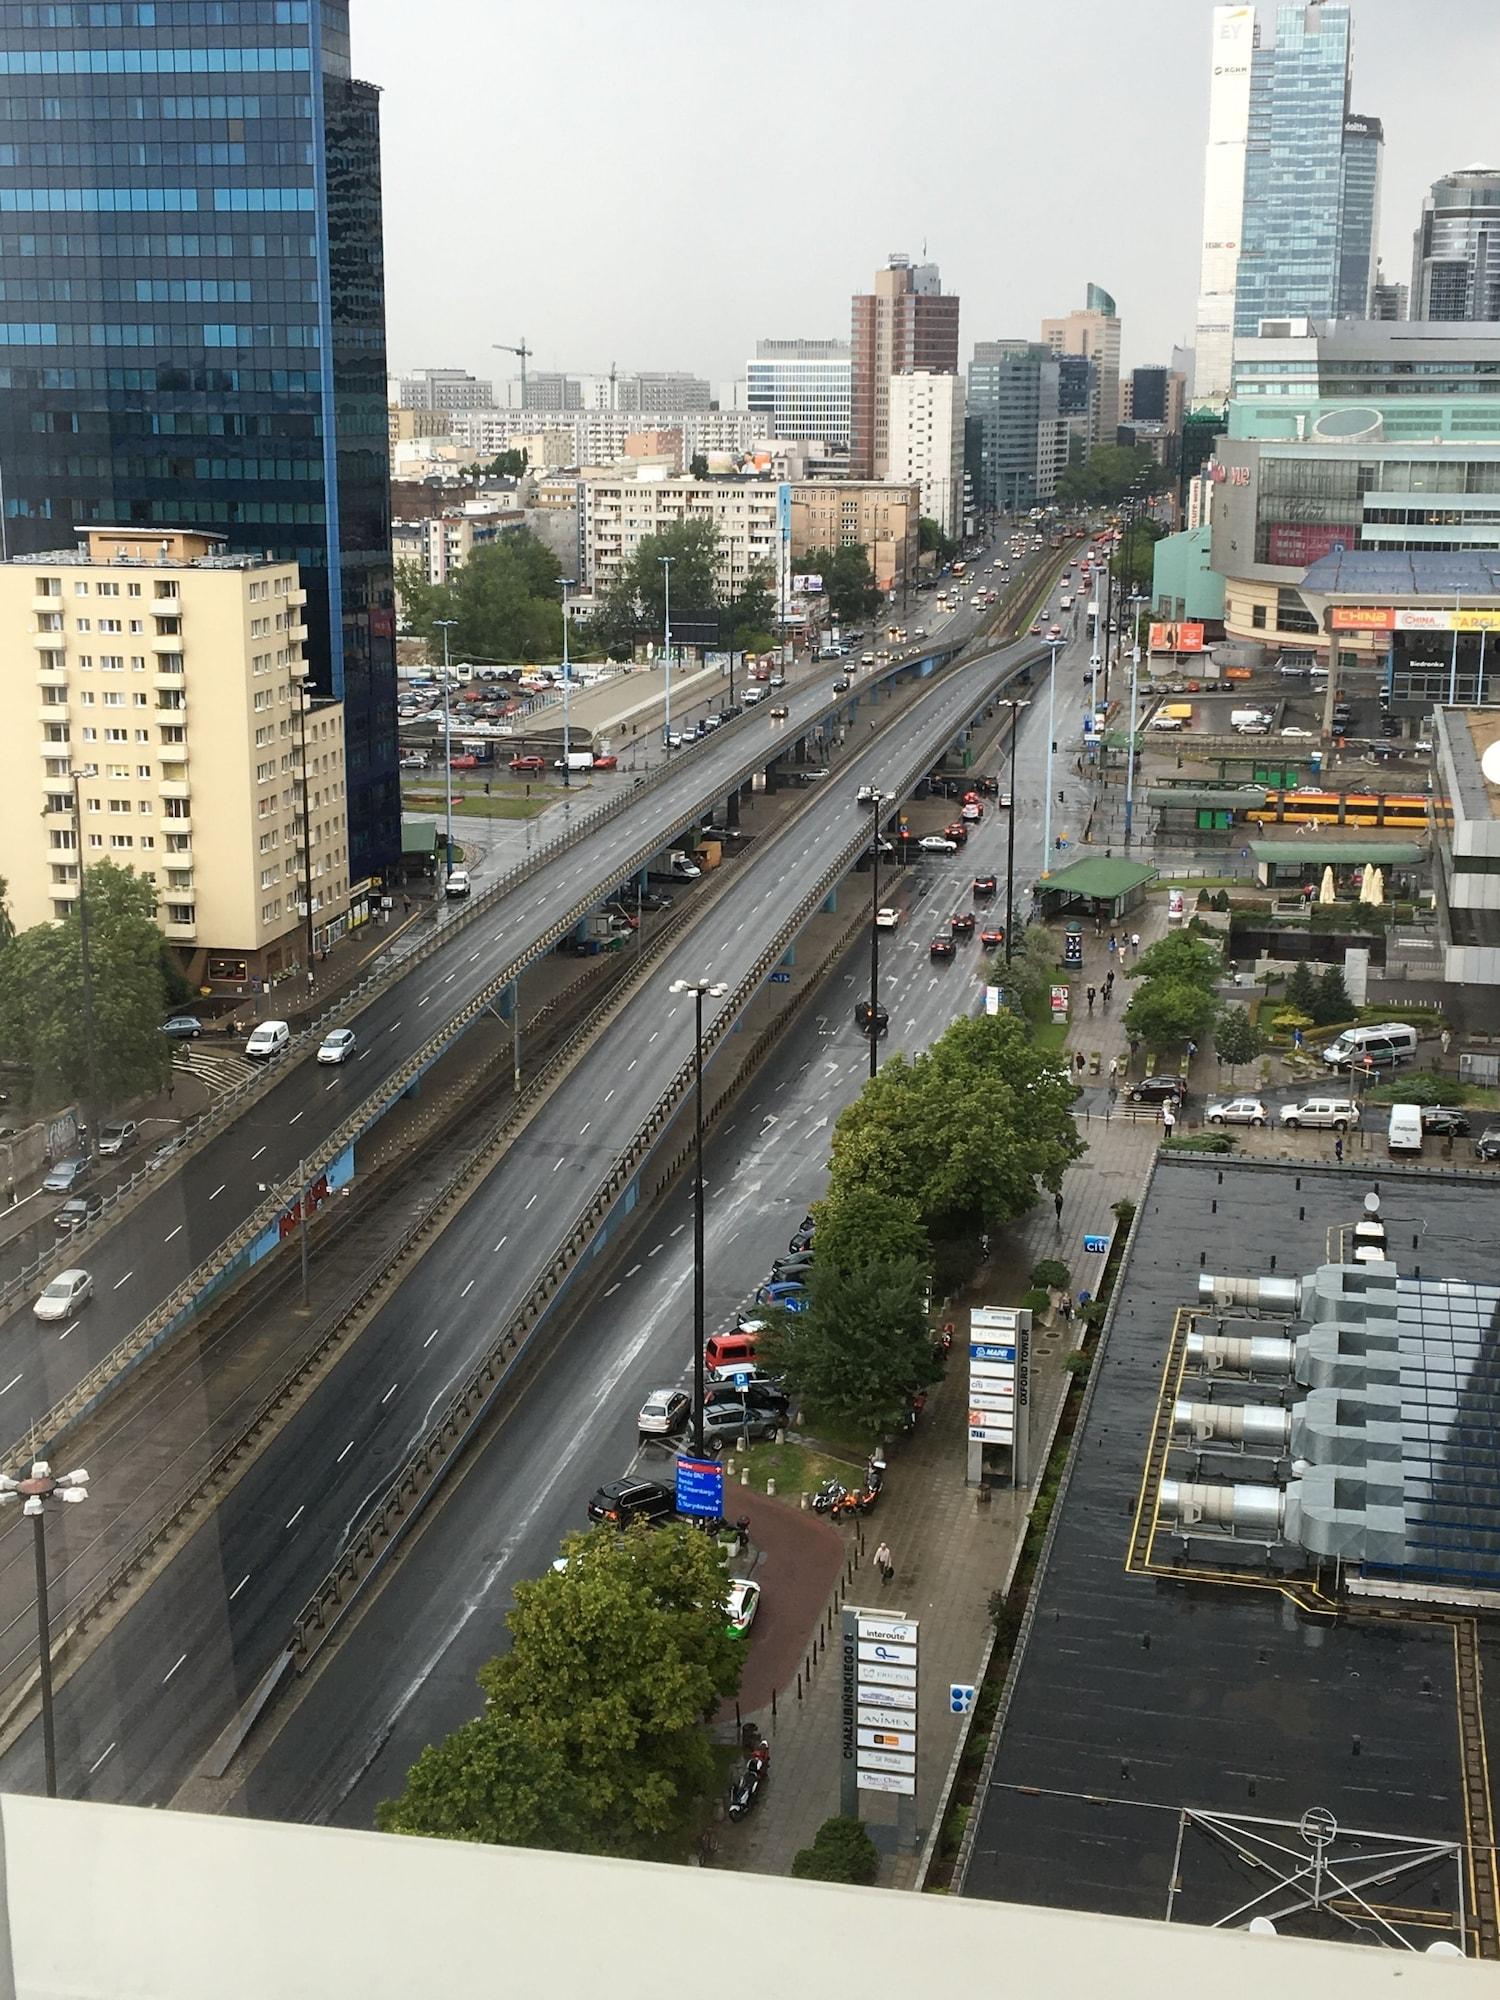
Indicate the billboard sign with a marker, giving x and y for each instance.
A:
(1384, 618)
(700, 1488)
(807, 586)
(880, 1705)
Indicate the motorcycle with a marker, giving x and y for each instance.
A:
(829, 1497)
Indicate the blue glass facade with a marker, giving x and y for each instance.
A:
(193, 299)
(1310, 204)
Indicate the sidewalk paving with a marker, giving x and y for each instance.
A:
(951, 1550)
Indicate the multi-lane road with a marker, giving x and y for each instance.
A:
(135, 1264)
(404, 1674)
(137, 1714)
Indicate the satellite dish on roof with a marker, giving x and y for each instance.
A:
(1489, 763)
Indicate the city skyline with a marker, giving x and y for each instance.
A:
(1123, 207)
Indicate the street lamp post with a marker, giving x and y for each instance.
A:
(877, 800)
(307, 921)
(666, 571)
(1054, 645)
(1010, 833)
(34, 1491)
(85, 963)
(567, 583)
(447, 625)
(716, 989)
(1135, 678)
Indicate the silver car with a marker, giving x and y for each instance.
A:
(1237, 1111)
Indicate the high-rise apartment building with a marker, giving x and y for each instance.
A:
(1092, 333)
(159, 164)
(169, 677)
(802, 388)
(927, 443)
(443, 389)
(1455, 270)
(906, 322)
(883, 517)
(1235, 39)
(623, 507)
(1312, 175)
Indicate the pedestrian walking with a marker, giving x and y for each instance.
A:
(884, 1564)
(1109, 982)
(1113, 944)
(1057, 1204)
(1445, 1040)
(1098, 926)
(1192, 1048)
(10, 1191)
(1114, 1069)
(1338, 1151)
(1066, 1309)
(1091, 997)
(1168, 1119)
(1135, 943)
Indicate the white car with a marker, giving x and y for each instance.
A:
(752, 695)
(664, 1413)
(336, 1046)
(1237, 1111)
(867, 659)
(1166, 722)
(887, 920)
(269, 1039)
(1335, 1114)
(742, 1604)
(457, 883)
(68, 1291)
(1294, 731)
(937, 843)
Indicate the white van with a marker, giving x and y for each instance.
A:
(268, 1039)
(1386, 1044)
(576, 760)
(1404, 1134)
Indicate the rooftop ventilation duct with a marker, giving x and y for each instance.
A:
(1282, 1296)
(1234, 1354)
(1234, 1423)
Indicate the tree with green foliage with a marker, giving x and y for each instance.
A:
(1301, 990)
(931, 540)
(1134, 562)
(591, 1738)
(505, 601)
(7, 922)
(1331, 1001)
(1236, 1038)
(1180, 955)
(841, 1851)
(1032, 973)
(1170, 1009)
(1108, 473)
(859, 1226)
(698, 465)
(505, 465)
(847, 581)
(640, 586)
(968, 1130)
(861, 1349)
(42, 1023)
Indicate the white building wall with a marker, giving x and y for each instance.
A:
(927, 442)
(1234, 39)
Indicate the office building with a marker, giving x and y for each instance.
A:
(927, 443)
(154, 170)
(1012, 399)
(905, 322)
(1306, 236)
(544, 389)
(443, 389)
(1455, 270)
(1090, 333)
(621, 508)
(883, 517)
(405, 426)
(1346, 436)
(801, 387)
(665, 392)
(1388, 300)
(1235, 37)
(169, 674)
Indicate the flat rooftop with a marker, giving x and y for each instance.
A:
(1149, 1707)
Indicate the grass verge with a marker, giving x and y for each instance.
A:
(796, 1469)
(482, 805)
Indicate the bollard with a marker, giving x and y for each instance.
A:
(802, 1502)
(744, 1475)
(771, 1488)
(799, 1684)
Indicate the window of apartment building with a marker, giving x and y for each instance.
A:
(121, 840)
(143, 770)
(106, 590)
(96, 840)
(142, 736)
(176, 809)
(263, 736)
(269, 912)
(257, 592)
(85, 662)
(164, 587)
(264, 773)
(180, 913)
(137, 624)
(80, 590)
(1258, 617)
(262, 700)
(178, 843)
(83, 624)
(260, 628)
(112, 663)
(138, 700)
(117, 770)
(137, 663)
(116, 736)
(59, 802)
(173, 732)
(167, 628)
(132, 590)
(113, 698)
(55, 732)
(148, 840)
(119, 805)
(92, 806)
(1292, 615)
(270, 876)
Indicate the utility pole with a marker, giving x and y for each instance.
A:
(1053, 644)
(447, 625)
(567, 584)
(86, 970)
(877, 801)
(699, 988)
(666, 730)
(302, 700)
(1010, 833)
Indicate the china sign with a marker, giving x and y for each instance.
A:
(1385, 618)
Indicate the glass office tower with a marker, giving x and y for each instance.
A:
(1312, 174)
(194, 313)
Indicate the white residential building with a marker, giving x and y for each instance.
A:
(621, 508)
(927, 442)
(802, 388)
(1234, 42)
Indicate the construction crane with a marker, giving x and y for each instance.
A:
(525, 352)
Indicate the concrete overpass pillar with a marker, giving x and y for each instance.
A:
(732, 808)
(831, 901)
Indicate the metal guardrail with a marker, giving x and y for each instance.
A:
(372, 1542)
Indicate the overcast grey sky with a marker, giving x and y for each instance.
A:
(657, 183)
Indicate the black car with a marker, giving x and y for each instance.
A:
(724, 1422)
(984, 885)
(763, 1398)
(961, 923)
(941, 946)
(1445, 1121)
(841, 686)
(625, 1500)
(1157, 1090)
(78, 1211)
(871, 1021)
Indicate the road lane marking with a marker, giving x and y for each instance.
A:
(345, 1452)
(502, 1243)
(632, 1063)
(171, 1233)
(430, 1338)
(467, 1289)
(557, 1163)
(656, 1249)
(122, 1281)
(389, 1393)
(584, 1126)
(295, 1519)
(679, 1229)
(16, 1378)
(300, 1114)
(172, 1669)
(100, 1759)
(531, 1203)
(632, 1271)
(239, 1586)
(257, 1153)
(612, 1290)
(72, 1328)
(218, 1190)
(608, 1095)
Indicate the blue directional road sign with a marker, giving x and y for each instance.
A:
(1096, 1245)
(781, 979)
(700, 1488)
(960, 1696)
